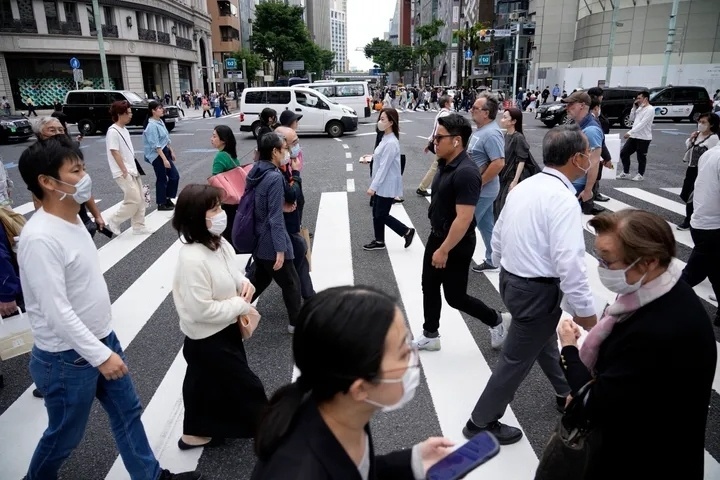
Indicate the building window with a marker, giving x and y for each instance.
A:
(6, 16)
(109, 16)
(91, 18)
(51, 13)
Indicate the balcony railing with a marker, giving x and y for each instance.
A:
(110, 31)
(163, 37)
(185, 43)
(18, 26)
(147, 35)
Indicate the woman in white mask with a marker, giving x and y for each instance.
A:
(354, 353)
(639, 353)
(699, 142)
(223, 398)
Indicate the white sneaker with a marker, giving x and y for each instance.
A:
(713, 297)
(622, 176)
(499, 334)
(637, 178)
(142, 231)
(429, 344)
(115, 229)
(291, 329)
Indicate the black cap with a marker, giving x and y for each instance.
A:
(287, 118)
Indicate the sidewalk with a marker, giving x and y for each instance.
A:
(190, 113)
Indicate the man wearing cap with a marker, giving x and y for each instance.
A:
(578, 109)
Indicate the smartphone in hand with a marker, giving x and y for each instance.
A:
(478, 450)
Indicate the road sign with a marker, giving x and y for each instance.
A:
(484, 60)
(230, 63)
(503, 32)
(74, 63)
(294, 65)
(78, 75)
(468, 54)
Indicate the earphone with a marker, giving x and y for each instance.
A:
(455, 144)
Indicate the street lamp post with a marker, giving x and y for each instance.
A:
(515, 59)
(101, 44)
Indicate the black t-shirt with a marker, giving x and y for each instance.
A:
(456, 183)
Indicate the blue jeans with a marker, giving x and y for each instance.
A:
(69, 385)
(485, 219)
(166, 179)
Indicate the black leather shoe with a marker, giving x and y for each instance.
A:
(214, 442)
(505, 434)
(37, 393)
(409, 237)
(601, 198)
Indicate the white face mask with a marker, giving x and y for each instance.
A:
(382, 126)
(286, 159)
(83, 189)
(616, 281)
(218, 223)
(410, 381)
(702, 127)
(585, 170)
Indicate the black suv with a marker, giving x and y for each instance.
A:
(90, 110)
(14, 127)
(616, 105)
(680, 103)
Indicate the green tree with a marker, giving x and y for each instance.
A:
(472, 38)
(430, 47)
(379, 51)
(279, 33)
(253, 63)
(317, 59)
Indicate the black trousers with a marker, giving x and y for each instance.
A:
(230, 211)
(302, 267)
(634, 145)
(286, 278)
(382, 217)
(454, 280)
(687, 189)
(704, 261)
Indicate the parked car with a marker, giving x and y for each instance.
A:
(680, 102)
(552, 114)
(319, 113)
(90, 110)
(14, 128)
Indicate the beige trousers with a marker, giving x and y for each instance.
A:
(133, 204)
(428, 178)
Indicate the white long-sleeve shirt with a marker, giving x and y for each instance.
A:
(706, 197)
(539, 234)
(642, 119)
(205, 289)
(67, 300)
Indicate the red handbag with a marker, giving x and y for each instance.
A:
(232, 182)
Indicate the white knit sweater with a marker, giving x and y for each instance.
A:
(205, 289)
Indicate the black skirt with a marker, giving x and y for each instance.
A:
(688, 183)
(223, 398)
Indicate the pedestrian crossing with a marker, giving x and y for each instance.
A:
(139, 271)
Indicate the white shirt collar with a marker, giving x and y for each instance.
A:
(557, 173)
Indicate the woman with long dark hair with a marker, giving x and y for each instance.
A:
(223, 398)
(519, 163)
(223, 139)
(161, 155)
(317, 428)
(386, 184)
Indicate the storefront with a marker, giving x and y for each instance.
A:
(185, 74)
(47, 78)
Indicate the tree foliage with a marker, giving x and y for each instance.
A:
(253, 63)
(280, 34)
(430, 47)
(389, 57)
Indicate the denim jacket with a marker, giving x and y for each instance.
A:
(155, 136)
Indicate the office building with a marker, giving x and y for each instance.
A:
(225, 16)
(338, 38)
(318, 21)
(160, 47)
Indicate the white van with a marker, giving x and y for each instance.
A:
(319, 113)
(355, 95)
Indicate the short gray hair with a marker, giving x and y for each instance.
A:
(561, 143)
(40, 123)
(444, 100)
(492, 103)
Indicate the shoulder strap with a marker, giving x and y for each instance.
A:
(124, 141)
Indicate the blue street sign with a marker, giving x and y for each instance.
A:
(230, 63)
(74, 63)
(468, 54)
(484, 60)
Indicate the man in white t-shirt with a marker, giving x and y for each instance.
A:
(121, 157)
(704, 261)
(76, 356)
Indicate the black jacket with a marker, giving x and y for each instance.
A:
(311, 452)
(650, 399)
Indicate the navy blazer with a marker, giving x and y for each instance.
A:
(310, 451)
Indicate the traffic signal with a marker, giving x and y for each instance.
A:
(481, 34)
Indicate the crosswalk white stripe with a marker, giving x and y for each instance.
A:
(25, 208)
(130, 313)
(456, 375)
(674, 190)
(654, 199)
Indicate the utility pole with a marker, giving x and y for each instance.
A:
(611, 47)
(515, 60)
(246, 78)
(101, 44)
(670, 41)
